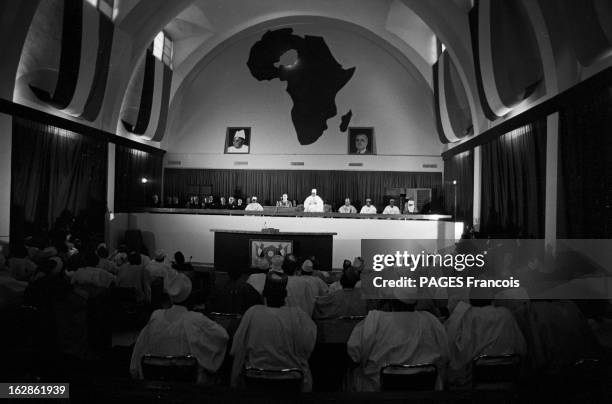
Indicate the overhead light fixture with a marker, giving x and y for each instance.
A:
(144, 180)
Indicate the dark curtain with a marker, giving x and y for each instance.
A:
(459, 168)
(585, 168)
(269, 185)
(513, 183)
(55, 171)
(131, 166)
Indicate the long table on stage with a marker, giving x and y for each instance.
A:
(233, 247)
(189, 230)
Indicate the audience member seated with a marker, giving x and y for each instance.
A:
(274, 336)
(319, 287)
(157, 267)
(357, 265)
(134, 275)
(234, 296)
(300, 292)
(399, 336)
(20, 265)
(557, 334)
(258, 280)
(104, 262)
(341, 303)
(90, 275)
(176, 331)
(179, 263)
(479, 329)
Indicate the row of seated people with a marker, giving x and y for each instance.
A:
(278, 309)
(252, 204)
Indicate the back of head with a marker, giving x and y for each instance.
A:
(102, 251)
(178, 286)
(307, 267)
(290, 265)
(349, 278)
(160, 255)
(346, 264)
(275, 289)
(179, 258)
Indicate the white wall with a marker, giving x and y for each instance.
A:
(191, 233)
(381, 94)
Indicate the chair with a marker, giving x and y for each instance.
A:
(495, 372)
(170, 368)
(404, 377)
(269, 380)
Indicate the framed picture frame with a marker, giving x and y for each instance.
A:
(262, 249)
(361, 141)
(237, 140)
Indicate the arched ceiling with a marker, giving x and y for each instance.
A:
(203, 25)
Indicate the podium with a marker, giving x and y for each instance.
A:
(234, 248)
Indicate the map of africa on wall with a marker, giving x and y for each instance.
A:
(312, 83)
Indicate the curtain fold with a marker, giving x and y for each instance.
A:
(131, 167)
(53, 171)
(269, 185)
(513, 183)
(585, 168)
(459, 168)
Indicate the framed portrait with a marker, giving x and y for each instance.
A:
(238, 140)
(361, 141)
(261, 249)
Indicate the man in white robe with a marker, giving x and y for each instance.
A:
(368, 208)
(177, 331)
(397, 337)
(391, 209)
(347, 207)
(254, 205)
(480, 329)
(274, 336)
(319, 287)
(158, 267)
(314, 203)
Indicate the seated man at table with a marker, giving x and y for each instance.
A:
(274, 336)
(391, 209)
(401, 336)
(177, 331)
(347, 207)
(478, 329)
(314, 203)
(285, 202)
(254, 205)
(344, 302)
(368, 208)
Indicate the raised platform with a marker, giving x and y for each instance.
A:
(190, 232)
(291, 212)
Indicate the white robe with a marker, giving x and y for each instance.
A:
(475, 331)
(177, 331)
(274, 338)
(319, 287)
(395, 338)
(254, 206)
(391, 210)
(368, 209)
(314, 204)
(300, 293)
(344, 302)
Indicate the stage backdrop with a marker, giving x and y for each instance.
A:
(269, 185)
